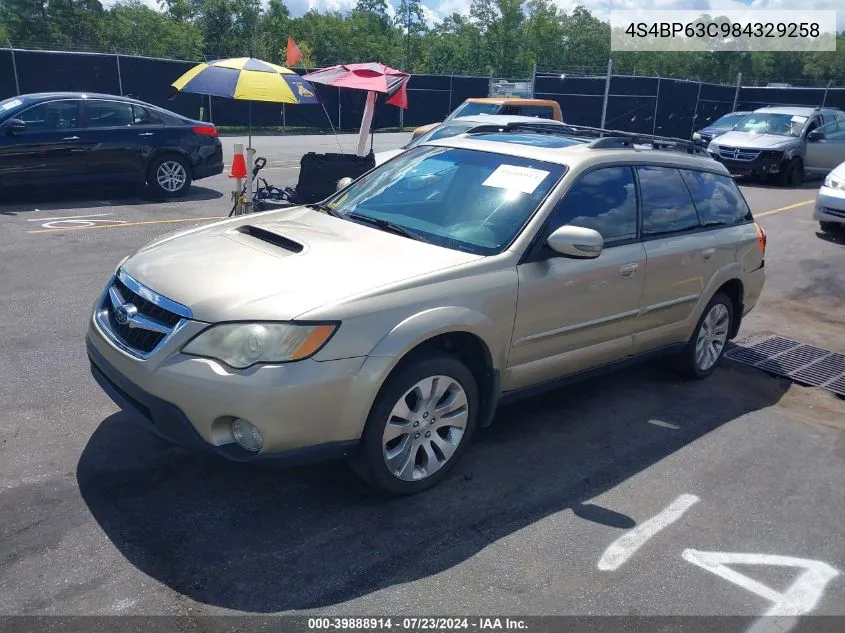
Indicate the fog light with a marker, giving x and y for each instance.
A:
(246, 435)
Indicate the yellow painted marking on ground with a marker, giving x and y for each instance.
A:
(113, 226)
(786, 208)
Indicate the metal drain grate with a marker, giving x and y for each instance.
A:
(801, 363)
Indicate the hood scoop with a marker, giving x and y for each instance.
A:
(268, 237)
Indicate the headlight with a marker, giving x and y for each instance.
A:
(696, 136)
(713, 149)
(241, 345)
(834, 183)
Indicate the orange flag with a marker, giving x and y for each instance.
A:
(293, 54)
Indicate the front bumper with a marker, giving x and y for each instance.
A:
(763, 165)
(305, 410)
(830, 206)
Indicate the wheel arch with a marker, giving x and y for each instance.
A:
(459, 332)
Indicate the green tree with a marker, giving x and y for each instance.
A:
(410, 20)
(134, 28)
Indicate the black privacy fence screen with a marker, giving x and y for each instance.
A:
(652, 105)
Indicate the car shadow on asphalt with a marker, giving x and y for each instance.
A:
(261, 538)
(834, 237)
(16, 202)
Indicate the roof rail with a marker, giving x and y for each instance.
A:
(603, 138)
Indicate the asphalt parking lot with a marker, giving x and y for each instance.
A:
(632, 494)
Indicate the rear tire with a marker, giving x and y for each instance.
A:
(709, 339)
(793, 174)
(169, 176)
(412, 439)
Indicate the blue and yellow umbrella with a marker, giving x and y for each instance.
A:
(248, 79)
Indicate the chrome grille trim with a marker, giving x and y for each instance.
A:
(149, 323)
(738, 153)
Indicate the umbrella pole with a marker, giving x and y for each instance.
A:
(369, 107)
(250, 154)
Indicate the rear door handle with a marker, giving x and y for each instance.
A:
(627, 271)
(707, 253)
(146, 133)
(70, 138)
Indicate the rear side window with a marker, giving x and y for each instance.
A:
(667, 205)
(110, 114)
(717, 199)
(604, 199)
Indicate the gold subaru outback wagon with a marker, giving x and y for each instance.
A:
(385, 324)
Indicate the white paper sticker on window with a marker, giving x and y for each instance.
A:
(524, 179)
(798, 119)
(12, 104)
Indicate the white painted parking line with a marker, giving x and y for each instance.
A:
(626, 545)
(799, 598)
(69, 217)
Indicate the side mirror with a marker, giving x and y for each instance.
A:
(577, 242)
(815, 135)
(14, 126)
(343, 183)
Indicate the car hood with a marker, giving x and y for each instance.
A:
(281, 264)
(752, 140)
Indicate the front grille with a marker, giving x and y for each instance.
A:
(738, 153)
(136, 318)
(836, 212)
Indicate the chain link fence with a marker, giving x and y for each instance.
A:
(588, 96)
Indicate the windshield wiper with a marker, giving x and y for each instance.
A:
(387, 225)
(325, 208)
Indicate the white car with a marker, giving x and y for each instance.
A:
(462, 125)
(830, 201)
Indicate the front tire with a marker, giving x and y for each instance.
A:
(828, 227)
(419, 426)
(709, 339)
(793, 174)
(169, 176)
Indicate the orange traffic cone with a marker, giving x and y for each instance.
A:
(238, 169)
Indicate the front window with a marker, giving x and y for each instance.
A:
(773, 123)
(468, 200)
(9, 107)
(472, 108)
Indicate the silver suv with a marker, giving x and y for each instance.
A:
(782, 143)
(387, 323)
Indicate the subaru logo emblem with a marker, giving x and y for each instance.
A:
(124, 313)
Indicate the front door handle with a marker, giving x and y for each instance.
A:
(71, 138)
(627, 271)
(146, 133)
(707, 254)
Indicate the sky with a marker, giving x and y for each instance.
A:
(435, 10)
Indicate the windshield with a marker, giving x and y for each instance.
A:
(729, 120)
(468, 200)
(471, 108)
(441, 131)
(773, 123)
(8, 107)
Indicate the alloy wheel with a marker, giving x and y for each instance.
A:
(171, 176)
(712, 337)
(425, 428)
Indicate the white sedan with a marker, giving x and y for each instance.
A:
(462, 125)
(830, 201)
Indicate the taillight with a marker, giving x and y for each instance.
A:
(206, 130)
(761, 237)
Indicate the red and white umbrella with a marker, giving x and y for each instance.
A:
(374, 77)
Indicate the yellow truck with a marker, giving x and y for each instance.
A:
(540, 108)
